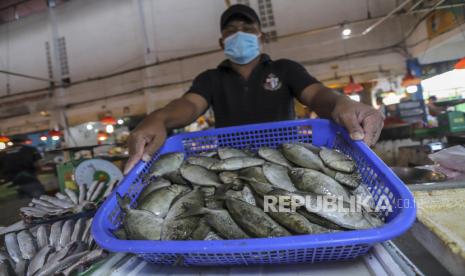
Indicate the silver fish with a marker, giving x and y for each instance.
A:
(225, 153)
(82, 193)
(20, 268)
(58, 202)
(120, 234)
(181, 229)
(208, 154)
(247, 195)
(4, 257)
(274, 156)
(311, 147)
(39, 260)
(159, 201)
(301, 156)
(152, 186)
(365, 196)
(12, 246)
(98, 191)
(55, 233)
(26, 245)
(254, 173)
(43, 203)
(316, 182)
(63, 264)
(78, 230)
(17, 226)
(277, 176)
(232, 178)
(62, 253)
(210, 200)
(66, 232)
(86, 232)
(62, 196)
(167, 163)
(202, 230)
(176, 177)
(33, 212)
(140, 224)
(72, 195)
(109, 188)
(236, 163)
(350, 180)
(6, 268)
(89, 258)
(337, 161)
(259, 187)
(200, 176)
(212, 236)
(202, 161)
(42, 236)
(91, 189)
(220, 220)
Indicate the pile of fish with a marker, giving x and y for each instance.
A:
(63, 248)
(47, 207)
(220, 195)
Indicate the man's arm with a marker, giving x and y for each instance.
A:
(150, 134)
(362, 121)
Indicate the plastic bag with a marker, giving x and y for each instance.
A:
(451, 161)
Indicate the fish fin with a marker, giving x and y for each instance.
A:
(191, 210)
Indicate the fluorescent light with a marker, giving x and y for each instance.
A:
(89, 126)
(355, 97)
(120, 121)
(55, 138)
(43, 138)
(346, 32)
(109, 128)
(412, 89)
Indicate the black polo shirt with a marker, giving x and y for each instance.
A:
(265, 97)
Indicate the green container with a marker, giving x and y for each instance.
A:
(453, 121)
(426, 132)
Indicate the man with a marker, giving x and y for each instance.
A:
(18, 164)
(433, 109)
(249, 87)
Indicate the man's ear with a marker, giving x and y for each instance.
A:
(221, 42)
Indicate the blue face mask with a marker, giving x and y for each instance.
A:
(241, 48)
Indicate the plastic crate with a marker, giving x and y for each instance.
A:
(284, 250)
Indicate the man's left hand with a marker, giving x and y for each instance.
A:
(363, 122)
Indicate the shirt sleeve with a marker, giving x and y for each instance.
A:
(203, 86)
(297, 77)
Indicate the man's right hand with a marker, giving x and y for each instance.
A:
(144, 141)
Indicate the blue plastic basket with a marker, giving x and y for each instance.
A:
(294, 249)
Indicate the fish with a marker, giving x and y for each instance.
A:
(202, 230)
(82, 193)
(301, 156)
(248, 196)
(12, 247)
(98, 191)
(236, 163)
(61, 253)
(63, 264)
(110, 188)
(212, 236)
(42, 236)
(278, 176)
(253, 220)
(58, 202)
(209, 194)
(33, 212)
(202, 161)
(140, 224)
(316, 219)
(208, 154)
(86, 232)
(365, 196)
(176, 177)
(337, 160)
(6, 269)
(20, 268)
(310, 146)
(200, 176)
(274, 156)
(90, 257)
(309, 180)
(55, 233)
(72, 195)
(26, 245)
(219, 220)
(62, 196)
(152, 186)
(39, 260)
(66, 232)
(229, 177)
(180, 229)
(225, 153)
(17, 226)
(78, 230)
(260, 188)
(253, 173)
(91, 189)
(5, 257)
(167, 163)
(159, 201)
(40, 202)
(120, 234)
(293, 221)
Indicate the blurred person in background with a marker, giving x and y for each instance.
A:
(18, 164)
(433, 109)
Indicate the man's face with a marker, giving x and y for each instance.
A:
(237, 25)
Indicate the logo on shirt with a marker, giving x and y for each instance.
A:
(272, 82)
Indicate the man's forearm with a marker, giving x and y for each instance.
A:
(177, 113)
(321, 99)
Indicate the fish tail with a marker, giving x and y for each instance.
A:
(192, 210)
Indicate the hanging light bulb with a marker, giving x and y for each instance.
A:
(89, 126)
(2, 146)
(411, 89)
(346, 32)
(43, 138)
(102, 136)
(460, 65)
(10, 144)
(109, 128)
(120, 121)
(409, 80)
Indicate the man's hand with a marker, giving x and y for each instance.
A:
(360, 120)
(148, 137)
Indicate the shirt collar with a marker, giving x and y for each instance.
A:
(264, 58)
